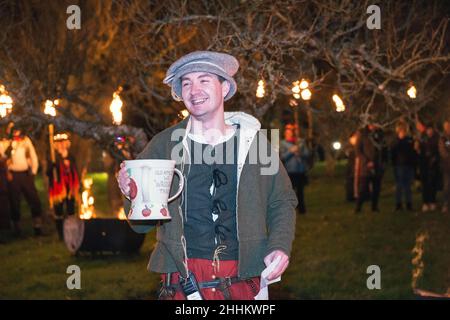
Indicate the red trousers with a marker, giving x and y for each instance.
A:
(204, 270)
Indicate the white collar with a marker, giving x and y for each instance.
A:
(201, 139)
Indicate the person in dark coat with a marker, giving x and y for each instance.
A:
(429, 167)
(295, 156)
(444, 152)
(404, 159)
(350, 153)
(370, 159)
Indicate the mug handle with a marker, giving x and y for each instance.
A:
(180, 187)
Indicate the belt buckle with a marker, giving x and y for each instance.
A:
(227, 282)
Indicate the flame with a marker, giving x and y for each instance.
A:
(60, 137)
(340, 107)
(303, 84)
(417, 261)
(116, 107)
(300, 89)
(260, 92)
(412, 92)
(87, 204)
(306, 94)
(184, 113)
(296, 89)
(50, 108)
(6, 103)
(121, 214)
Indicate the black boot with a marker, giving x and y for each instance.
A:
(409, 206)
(398, 207)
(37, 226)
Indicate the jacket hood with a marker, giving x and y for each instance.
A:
(246, 120)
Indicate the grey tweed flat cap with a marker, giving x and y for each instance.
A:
(221, 64)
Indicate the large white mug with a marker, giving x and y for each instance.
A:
(149, 189)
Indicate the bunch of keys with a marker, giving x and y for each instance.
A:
(190, 287)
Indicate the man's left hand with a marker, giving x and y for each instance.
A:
(282, 265)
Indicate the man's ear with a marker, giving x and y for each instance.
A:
(225, 88)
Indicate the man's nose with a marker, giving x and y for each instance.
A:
(195, 88)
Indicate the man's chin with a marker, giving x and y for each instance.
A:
(197, 111)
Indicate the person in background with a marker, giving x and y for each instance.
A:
(64, 182)
(5, 215)
(444, 152)
(370, 160)
(404, 159)
(350, 153)
(295, 156)
(429, 167)
(22, 164)
(112, 166)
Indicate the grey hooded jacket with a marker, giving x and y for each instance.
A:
(265, 199)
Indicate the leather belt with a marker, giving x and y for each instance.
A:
(228, 281)
(222, 284)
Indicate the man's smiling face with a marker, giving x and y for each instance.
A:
(203, 93)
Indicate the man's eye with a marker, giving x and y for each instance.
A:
(205, 81)
(185, 84)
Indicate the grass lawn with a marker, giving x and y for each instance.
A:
(331, 253)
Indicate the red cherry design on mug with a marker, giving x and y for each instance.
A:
(163, 212)
(133, 189)
(146, 212)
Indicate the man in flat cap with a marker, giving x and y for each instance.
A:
(233, 219)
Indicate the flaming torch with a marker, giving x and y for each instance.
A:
(51, 111)
(116, 107)
(184, 113)
(121, 215)
(260, 91)
(340, 106)
(412, 92)
(6, 103)
(87, 205)
(296, 89)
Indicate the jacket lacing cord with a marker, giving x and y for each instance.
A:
(216, 261)
(219, 178)
(218, 207)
